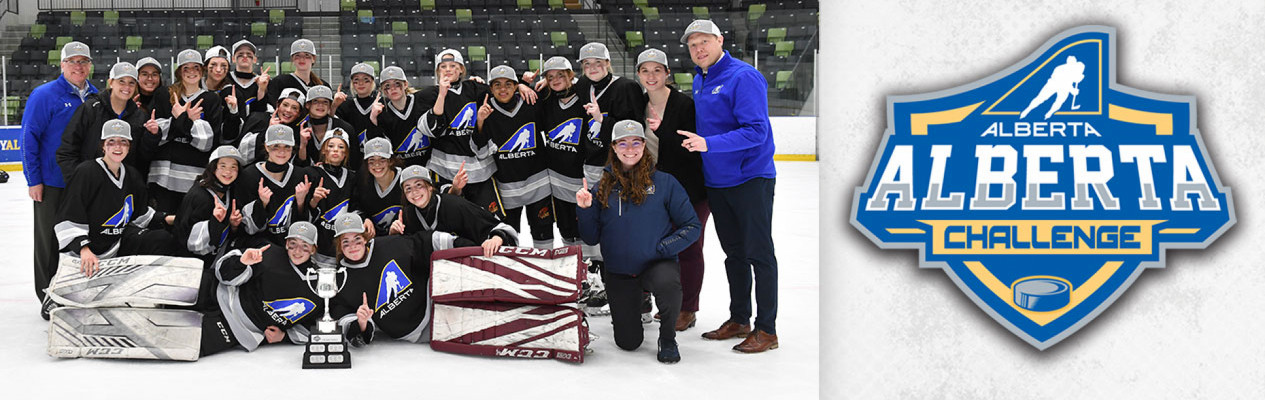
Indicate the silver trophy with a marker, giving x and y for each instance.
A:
(327, 348)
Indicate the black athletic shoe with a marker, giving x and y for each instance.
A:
(668, 352)
(47, 306)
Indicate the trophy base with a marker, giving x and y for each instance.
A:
(326, 351)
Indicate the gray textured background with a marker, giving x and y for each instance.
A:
(891, 330)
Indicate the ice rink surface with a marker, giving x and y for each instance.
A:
(708, 369)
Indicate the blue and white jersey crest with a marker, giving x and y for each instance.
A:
(413, 142)
(281, 217)
(566, 132)
(467, 118)
(293, 309)
(391, 284)
(333, 212)
(121, 218)
(523, 139)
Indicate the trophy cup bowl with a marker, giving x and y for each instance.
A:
(326, 348)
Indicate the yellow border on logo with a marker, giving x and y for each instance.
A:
(990, 111)
(1043, 318)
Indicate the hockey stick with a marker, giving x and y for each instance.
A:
(1077, 87)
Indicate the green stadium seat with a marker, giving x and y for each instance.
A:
(556, 4)
(276, 17)
(776, 35)
(464, 15)
(533, 64)
(258, 29)
(347, 5)
(524, 4)
(651, 13)
(54, 57)
(386, 41)
(38, 30)
(641, 3)
(376, 67)
(783, 79)
(683, 81)
(755, 11)
(635, 38)
(271, 67)
(559, 39)
(366, 16)
(13, 103)
(784, 48)
(62, 40)
(426, 4)
(134, 43)
(702, 13)
(111, 18)
(205, 42)
(287, 67)
(77, 18)
(399, 28)
(477, 53)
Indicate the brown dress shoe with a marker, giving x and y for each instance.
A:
(757, 342)
(728, 330)
(685, 320)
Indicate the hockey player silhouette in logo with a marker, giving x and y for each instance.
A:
(293, 311)
(393, 285)
(565, 133)
(1065, 79)
(416, 140)
(466, 118)
(522, 139)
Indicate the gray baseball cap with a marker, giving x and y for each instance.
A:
(227, 151)
(148, 61)
(627, 128)
(304, 231)
(217, 51)
(363, 68)
(392, 73)
(320, 92)
(244, 42)
(652, 55)
(700, 26)
(502, 71)
(380, 147)
(292, 93)
(557, 63)
(279, 134)
(348, 223)
(302, 46)
(75, 49)
(116, 128)
(414, 172)
(449, 55)
(594, 50)
(337, 133)
(188, 56)
(123, 69)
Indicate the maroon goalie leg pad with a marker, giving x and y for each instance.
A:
(514, 275)
(510, 330)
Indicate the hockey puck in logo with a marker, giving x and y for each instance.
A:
(1042, 294)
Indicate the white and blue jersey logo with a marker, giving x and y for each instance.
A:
(594, 134)
(391, 285)
(121, 218)
(386, 216)
(466, 118)
(281, 218)
(567, 132)
(415, 140)
(523, 139)
(329, 216)
(293, 309)
(1046, 189)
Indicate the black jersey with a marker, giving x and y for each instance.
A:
(459, 217)
(620, 99)
(564, 124)
(289, 81)
(521, 176)
(341, 183)
(186, 144)
(356, 112)
(320, 127)
(393, 277)
(98, 205)
(270, 221)
(81, 141)
(196, 228)
(252, 138)
(400, 126)
(456, 139)
(273, 292)
(379, 204)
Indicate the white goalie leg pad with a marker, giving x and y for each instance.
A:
(510, 330)
(514, 274)
(137, 281)
(132, 333)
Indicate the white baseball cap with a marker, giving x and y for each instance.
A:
(700, 26)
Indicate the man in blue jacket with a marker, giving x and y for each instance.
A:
(48, 110)
(735, 140)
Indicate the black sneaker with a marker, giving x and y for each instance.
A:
(668, 353)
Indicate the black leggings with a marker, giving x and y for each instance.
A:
(539, 218)
(663, 279)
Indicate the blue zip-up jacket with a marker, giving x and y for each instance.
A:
(48, 110)
(731, 109)
(634, 235)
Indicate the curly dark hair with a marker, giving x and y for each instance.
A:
(633, 182)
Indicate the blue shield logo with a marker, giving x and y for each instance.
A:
(386, 216)
(392, 283)
(123, 216)
(1046, 189)
(282, 216)
(467, 118)
(415, 140)
(329, 216)
(523, 139)
(293, 309)
(567, 132)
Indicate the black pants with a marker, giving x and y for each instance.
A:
(568, 225)
(744, 225)
(663, 279)
(164, 200)
(216, 334)
(46, 239)
(483, 194)
(539, 218)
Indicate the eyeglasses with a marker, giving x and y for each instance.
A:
(635, 144)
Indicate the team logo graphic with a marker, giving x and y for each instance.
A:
(363, 133)
(292, 310)
(391, 285)
(1044, 190)
(465, 118)
(123, 216)
(566, 132)
(281, 217)
(594, 134)
(415, 140)
(386, 216)
(329, 216)
(523, 139)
